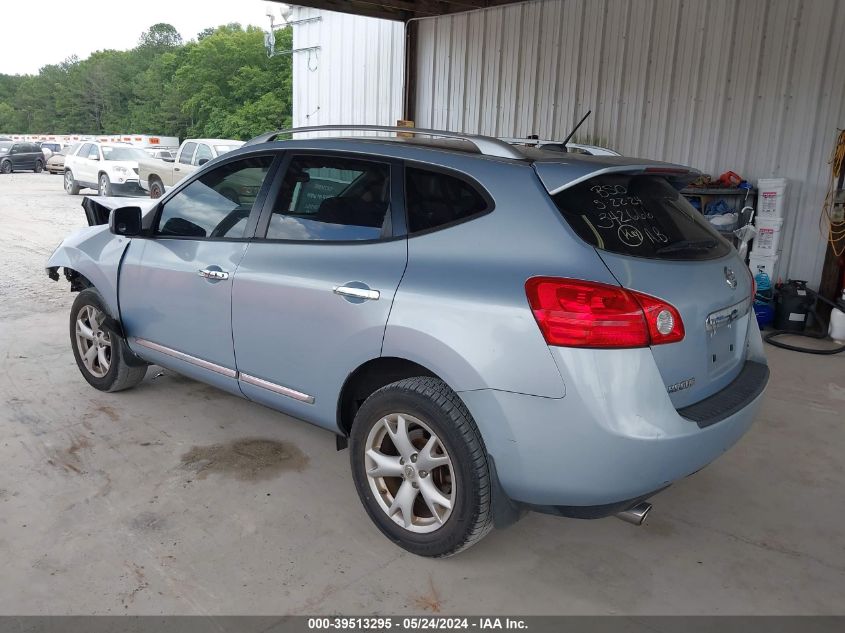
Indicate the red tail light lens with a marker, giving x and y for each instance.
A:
(574, 313)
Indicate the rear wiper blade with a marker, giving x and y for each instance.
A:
(687, 245)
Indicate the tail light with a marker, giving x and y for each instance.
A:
(574, 313)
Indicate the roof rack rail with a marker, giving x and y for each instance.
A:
(486, 145)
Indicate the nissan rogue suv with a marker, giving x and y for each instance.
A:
(491, 328)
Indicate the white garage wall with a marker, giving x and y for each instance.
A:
(755, 86)
(355, 77)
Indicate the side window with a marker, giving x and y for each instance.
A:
(332, 199)
(434, 199)
(83, 151)
(187, 153)
(216, 205)
(203, 154)
(94, 152)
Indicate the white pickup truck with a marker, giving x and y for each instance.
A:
(157, 175)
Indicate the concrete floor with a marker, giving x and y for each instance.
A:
(102, 509)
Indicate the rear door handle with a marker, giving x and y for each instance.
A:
(213, 274)
(357, 293)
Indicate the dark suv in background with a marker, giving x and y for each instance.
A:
(19, 156)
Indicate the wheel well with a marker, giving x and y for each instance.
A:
(78, 282)
(370, 377)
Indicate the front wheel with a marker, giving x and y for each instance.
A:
(6, 167)
(156, 189)
(71, 186)
(105, 186)
(39, 167)
(420, 467)
(101, 355)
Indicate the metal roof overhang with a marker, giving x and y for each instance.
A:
(401, 10)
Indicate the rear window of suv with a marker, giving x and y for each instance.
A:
(641, 216)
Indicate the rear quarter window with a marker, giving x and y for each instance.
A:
(641, 216)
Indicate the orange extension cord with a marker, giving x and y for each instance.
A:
(835, 228)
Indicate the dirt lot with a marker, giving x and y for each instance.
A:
(177, 498)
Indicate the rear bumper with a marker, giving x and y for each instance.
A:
(612, 440)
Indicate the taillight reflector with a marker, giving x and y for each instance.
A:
(575, 313)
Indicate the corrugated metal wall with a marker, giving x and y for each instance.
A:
(755, 86)
(357, 74)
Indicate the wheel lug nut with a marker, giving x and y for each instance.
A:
(415, 484)
(414, 458)
(423, 473)
(401, 461)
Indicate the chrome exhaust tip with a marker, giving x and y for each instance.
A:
(635, 515)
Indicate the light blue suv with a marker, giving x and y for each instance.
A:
(493, 328)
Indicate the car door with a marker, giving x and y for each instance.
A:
(89, 164)
(175, 286)
(17, 153)
(313, 292)
(183, 166)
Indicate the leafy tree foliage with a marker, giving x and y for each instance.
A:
(220, 85)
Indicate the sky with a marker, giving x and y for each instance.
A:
(40, 32)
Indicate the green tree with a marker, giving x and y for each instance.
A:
(223, 84)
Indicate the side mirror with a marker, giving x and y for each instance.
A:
(202, 161)
(125, 221)
(169, 160)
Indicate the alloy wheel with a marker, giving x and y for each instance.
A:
(92, 341)
(410, 473)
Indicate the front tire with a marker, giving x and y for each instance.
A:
(100, 354)
(156, 189)
(6, 167)
(104, 188)
(420, 467)
(71, 186)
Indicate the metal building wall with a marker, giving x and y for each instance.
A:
(357, 74)
(755, 86)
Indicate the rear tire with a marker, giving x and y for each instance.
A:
(420, 467)
(71, 186)
(39, 166)
(106, 367)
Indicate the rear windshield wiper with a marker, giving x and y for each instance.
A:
(687, 245)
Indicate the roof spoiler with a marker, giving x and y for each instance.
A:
(557, 176)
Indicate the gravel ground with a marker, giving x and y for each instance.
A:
(37, 214)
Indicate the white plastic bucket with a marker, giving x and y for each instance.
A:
(771, 197)
(764, 264)
(767, 242)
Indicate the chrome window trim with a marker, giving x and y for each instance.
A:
(199, 362)
(280, 389)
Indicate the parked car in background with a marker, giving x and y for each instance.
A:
(49, 148)
(491, 328)
(20, 156)
(56, 162)
(110, 168)
(157, 176)
(166, 154)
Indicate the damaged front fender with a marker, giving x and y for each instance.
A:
(94, 253)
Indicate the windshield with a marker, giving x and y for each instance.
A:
(4, 146)
(222, 149)
(123, 153)
(641, 216)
